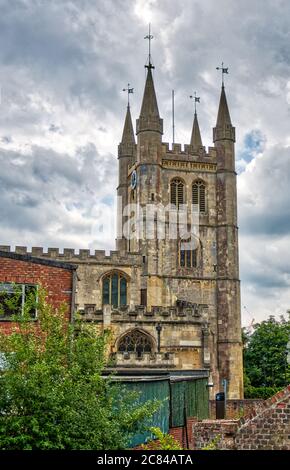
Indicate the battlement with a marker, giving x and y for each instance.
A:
(188, 152)
(183, 311)
(78, 256)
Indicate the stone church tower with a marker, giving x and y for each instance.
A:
(170, 293)
(204, 277)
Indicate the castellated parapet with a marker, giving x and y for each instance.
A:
(188, 152)
(78, 256)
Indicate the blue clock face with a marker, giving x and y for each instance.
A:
(133, 179)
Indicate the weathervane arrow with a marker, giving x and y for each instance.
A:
(196, 100)
(129, 90)
(224, 70)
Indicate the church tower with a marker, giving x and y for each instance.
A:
(188, 292)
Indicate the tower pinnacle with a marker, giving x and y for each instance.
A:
(149, 119)
(223, 129)
(195, 134)
(128, 132)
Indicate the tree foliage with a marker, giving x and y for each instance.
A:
(161, 441)
(265, 358)
(53, 394)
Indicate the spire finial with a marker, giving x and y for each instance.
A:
(129, 90)
(149, 37)
(223, 71)
(196, 100)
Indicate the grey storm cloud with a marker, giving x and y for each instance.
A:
(63, 65)
(38, 190)
(264, 208)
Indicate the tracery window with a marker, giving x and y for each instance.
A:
(136, 342)
(187, 255)
(115, 290)
(198, 195)
(177, 192)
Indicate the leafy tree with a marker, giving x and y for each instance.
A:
(265, 360)
(53, 395)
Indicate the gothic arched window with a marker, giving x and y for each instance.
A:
(177, 192)
(187, 255)
(137, 342)
(198, 195)
(115, 289)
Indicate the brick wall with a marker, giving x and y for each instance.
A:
(206, 431)
(235, 409)
(266, 428)
(184, 434)
(57, 280)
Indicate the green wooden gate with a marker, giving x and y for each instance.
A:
(189, 398)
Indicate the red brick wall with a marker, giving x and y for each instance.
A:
(179, 434)
(57, 282)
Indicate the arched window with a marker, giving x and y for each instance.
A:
(115, 290)
(137, 342)
(187, 255)
(198, 195)
(177, 192)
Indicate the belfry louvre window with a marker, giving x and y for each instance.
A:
(177, 192)
(115, 290)
(136, 342)
(187, 256)
(198, 195)
(17, 300)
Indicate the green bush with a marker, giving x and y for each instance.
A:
(161, 441)
(261, 392)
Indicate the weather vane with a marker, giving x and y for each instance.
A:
(223, 70)
(129, 90)
(196, 100)
(149, 37)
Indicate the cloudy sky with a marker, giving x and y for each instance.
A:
(63, 64)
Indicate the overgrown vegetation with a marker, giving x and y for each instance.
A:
(53, 394)
(265, 358)
(161, 441)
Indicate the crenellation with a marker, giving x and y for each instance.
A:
(156, 313)
(21, 250)
(36, 251)
(53, 252)
(165, 147)
(5, 248)
(100, 254)
(68, 253)
(84, 254)
(176, 148)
